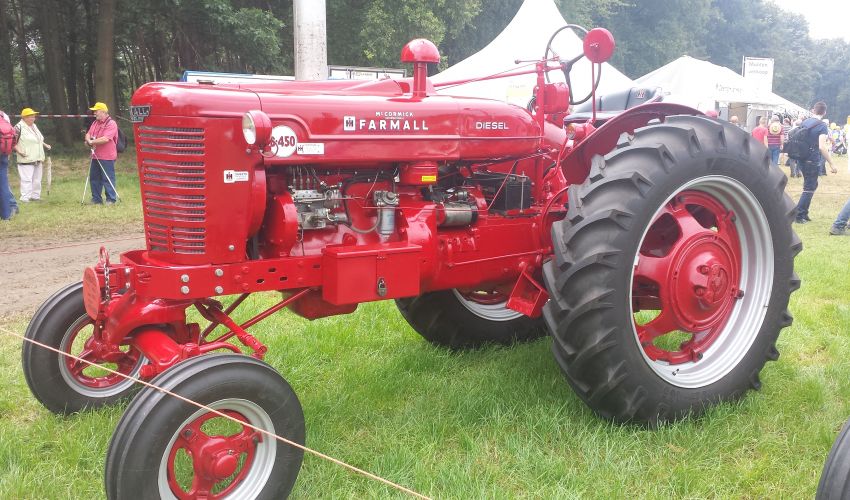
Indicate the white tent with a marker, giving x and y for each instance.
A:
(525, 39)
(703, 85)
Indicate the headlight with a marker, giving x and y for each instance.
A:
(256, 128)
(249, 130)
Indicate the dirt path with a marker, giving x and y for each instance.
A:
(31, 271)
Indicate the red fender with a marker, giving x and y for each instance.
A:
(576, 164)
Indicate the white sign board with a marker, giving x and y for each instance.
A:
(759, 71)
(359, 73)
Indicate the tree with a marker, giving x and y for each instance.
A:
(591, 13)
(831, 60)
(54, 74)
(6, 66)
(104, 88)
(74, 53)
(492, 18)
(389, 25)
(669, 29)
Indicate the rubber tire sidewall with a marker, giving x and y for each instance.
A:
(617, 382)
(834, 481)
(441, 319)
(41, 369)
(139, 442)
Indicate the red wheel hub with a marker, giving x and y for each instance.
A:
(215, 469)
(224, 465)
(98, 352)
(688, 269)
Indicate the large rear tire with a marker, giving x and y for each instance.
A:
(458, 320)
(672, 272)
(61, 384)
(835, 479)
(166, 448)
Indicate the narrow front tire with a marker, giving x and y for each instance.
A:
(164, 447)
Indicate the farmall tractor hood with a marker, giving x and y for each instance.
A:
(345, 121)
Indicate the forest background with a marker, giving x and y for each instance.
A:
(59, 56)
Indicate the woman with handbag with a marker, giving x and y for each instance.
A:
(30, 149)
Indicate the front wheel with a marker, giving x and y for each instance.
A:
(468, 319)
(166, 448)
(672, 272)
(64, 385)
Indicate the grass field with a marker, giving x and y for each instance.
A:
(61, 216)
(493, 423)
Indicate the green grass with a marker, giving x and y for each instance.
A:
(60, 215)
(498, 422)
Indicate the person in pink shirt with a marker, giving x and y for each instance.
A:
(760, 132)
(775, 137)
(102, 138)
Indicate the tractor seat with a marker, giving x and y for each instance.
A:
(610, 105)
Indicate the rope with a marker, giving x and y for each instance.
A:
(58, 116)
(220, 414)
(75, 116)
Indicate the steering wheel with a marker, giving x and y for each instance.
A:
(598, 46)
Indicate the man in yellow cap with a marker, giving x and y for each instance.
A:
(102, 138)
(30, 149)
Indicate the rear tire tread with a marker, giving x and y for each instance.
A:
(598, 212)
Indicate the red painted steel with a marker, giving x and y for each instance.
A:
(688, 267)
(218, 462)
(95, 350)
(341, 192)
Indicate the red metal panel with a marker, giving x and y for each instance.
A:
(577, 163)
(357, 274)
(151, 278)
(194, 213)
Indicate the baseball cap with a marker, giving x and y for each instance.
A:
(99, 106)
(28, 112)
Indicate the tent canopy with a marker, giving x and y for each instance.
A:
(701, 85)
(525, 39)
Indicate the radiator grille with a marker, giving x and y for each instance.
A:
(173, 189)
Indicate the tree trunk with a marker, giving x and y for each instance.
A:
(53, 66)
(22, 49)
(103, 72)
(72, 62)
(6, 58)
(91, 47)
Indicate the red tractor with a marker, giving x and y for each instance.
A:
(653, 244)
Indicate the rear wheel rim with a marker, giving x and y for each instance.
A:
(235, 465)
(84, 378)
(487, 304)
(705, 265)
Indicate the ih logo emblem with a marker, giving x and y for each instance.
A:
(348, 123)
(232, 176)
